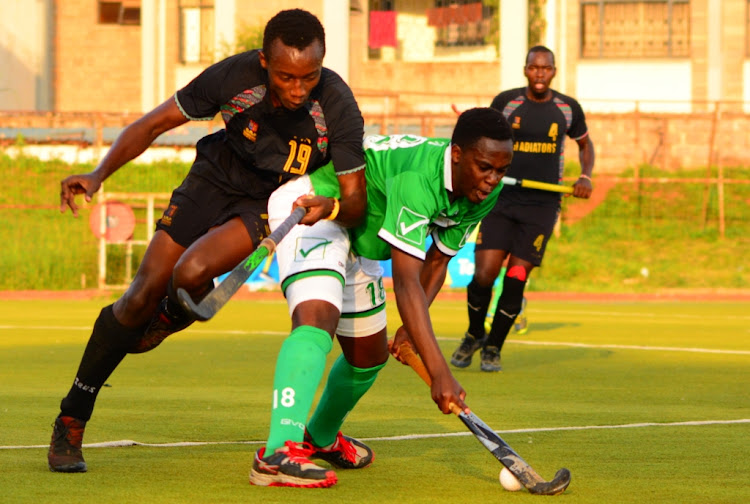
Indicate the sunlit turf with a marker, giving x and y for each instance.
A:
(603, 388)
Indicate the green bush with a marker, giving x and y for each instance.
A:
(640, 238)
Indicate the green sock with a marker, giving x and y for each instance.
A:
(346, 385)
(299, 369)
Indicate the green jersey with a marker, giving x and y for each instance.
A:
(409, 181)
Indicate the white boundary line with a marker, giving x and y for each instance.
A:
(650, 315)
(406, 437)
(192, 330)
(520, 342)
(631, 347)
(621, 347)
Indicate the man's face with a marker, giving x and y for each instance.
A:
(539, 72)
(292, 74)
(477, 170)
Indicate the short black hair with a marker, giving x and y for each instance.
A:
(480, 122)
(540, 48)
(296, 28)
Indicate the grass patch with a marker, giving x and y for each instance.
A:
(655, 228)
(613, 408)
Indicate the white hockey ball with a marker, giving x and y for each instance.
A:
(509, 481)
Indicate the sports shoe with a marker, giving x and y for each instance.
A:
(461, 358)
(65, 447)
(344, 452)
(521, 325)
(490, 359)
(290, 466)
(162, 324)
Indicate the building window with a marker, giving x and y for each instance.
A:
(460, 22)
(126, 12)
(635, 28)
(197, 31)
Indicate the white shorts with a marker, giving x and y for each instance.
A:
(315, 263)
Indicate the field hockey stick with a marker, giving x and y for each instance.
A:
(528, 477)
(534, 184)
(218, 297)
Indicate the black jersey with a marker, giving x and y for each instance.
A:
(274, 144)
(539, 130)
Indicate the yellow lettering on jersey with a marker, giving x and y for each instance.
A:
(553, 131)
(541, 147)
(539, 242)
(299, 153)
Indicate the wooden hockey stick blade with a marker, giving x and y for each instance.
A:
(217, 298)
(528, 477)
(534, 184)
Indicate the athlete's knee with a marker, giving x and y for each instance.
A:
(317, 313)
(365, 351)
(484, 277)
(485, 273)
(141, 299)
(192, 273)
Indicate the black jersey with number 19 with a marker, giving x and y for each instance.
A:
(262, 146)
(539, 130)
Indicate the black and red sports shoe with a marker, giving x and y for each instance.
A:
(345, 452)
(65, 447)
(290, 466)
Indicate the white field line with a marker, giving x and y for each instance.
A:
(520, 342)
(406, 437)
(688, 316)
(621, 347)
(588, 313)
(632, 347)
(88, 328)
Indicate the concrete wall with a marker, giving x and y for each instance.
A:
(26, 55)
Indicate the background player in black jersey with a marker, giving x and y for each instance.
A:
(285, 115)
(522, 221)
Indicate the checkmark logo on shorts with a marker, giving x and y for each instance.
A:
(305, 253)
(412, 226)
(311, 248)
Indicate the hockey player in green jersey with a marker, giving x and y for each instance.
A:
(416, 187)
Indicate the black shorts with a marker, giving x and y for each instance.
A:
(521, 230)
(198, 204)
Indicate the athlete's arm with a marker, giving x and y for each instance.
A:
(433, 273)
(413, 306)
(353, 199)
(131, 143)
(432, 278)
(583, 187)
(351, 206)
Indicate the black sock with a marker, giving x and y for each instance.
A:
(107, 346)
(478, 301)
(508, 308)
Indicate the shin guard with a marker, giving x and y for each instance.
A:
(346, 385)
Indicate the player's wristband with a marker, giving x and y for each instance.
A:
(335, 211)
(583, 175)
